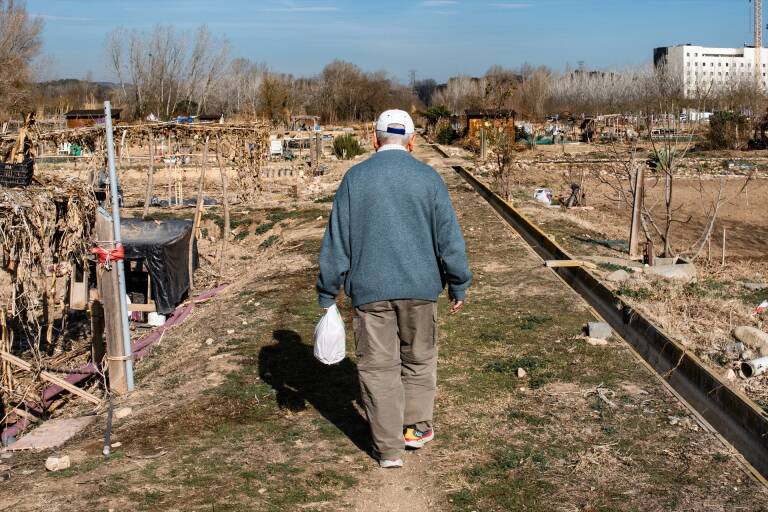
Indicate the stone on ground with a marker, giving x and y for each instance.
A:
(57, 463)
(123, 412)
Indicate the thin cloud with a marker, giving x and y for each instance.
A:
(507, 5)
(290, 6)
(53, 17)
(302, 9)
(438, 3)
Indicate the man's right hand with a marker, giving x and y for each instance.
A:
(456, 305)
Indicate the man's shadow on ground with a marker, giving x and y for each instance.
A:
(290, 367)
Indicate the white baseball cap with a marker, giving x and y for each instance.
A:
(390, 117)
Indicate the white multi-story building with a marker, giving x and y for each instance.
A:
(711, 69)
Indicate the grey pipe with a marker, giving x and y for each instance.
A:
(754, 367)
(113, 186)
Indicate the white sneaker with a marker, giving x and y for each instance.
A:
(390, 464)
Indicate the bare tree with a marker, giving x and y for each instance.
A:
(533, 91)
(167, 77)
(19, 45)
(461, 93)
(670, 132)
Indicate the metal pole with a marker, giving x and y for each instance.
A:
(113, 186)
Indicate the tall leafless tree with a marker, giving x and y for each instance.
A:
(19, 45)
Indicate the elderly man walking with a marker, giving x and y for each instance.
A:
(393, 242)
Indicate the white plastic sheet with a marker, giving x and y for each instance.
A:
(330, 340)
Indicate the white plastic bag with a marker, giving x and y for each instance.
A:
(330, 340)
(543, 195)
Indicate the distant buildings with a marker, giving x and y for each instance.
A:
(712, 69)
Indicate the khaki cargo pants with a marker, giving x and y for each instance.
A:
(396, 351)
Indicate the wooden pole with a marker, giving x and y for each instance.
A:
(637, 209)
(109, 292)
(150, 176)
(312, 153)
(224, 186)
(122, 148)
(5, 344)
(722, 263)
(198, 212)
(169, 185)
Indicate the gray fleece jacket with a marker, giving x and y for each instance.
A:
(392, 234)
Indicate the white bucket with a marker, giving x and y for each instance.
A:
(155, 319)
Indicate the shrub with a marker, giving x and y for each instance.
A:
(728, 130)
(661, 160)
(435, 114)
(347, 147)
(446, 135)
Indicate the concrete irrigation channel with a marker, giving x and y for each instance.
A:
(727, 411)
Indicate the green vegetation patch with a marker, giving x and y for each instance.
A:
(640, 293)
(531, 322)
(269, 242)
(613, 267)
(327, 199)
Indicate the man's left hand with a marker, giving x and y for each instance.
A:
(456, 306)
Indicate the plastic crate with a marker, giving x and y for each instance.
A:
(16, 175)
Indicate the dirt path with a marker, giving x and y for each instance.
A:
(251, 422)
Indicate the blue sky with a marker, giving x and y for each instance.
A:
(438, 38)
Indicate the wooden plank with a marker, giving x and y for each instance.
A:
(110, 302)
(53, 379)
(78, 291)
(568, 263)
(143, 308)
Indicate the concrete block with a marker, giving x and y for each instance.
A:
(599, 330)
(685, 272)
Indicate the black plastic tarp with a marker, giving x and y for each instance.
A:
(164, 248)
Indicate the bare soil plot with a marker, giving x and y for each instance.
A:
(700, 315)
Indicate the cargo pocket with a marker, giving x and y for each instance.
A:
(357, 329)
(434, 325)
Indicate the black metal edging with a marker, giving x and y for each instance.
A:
(737, 418)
